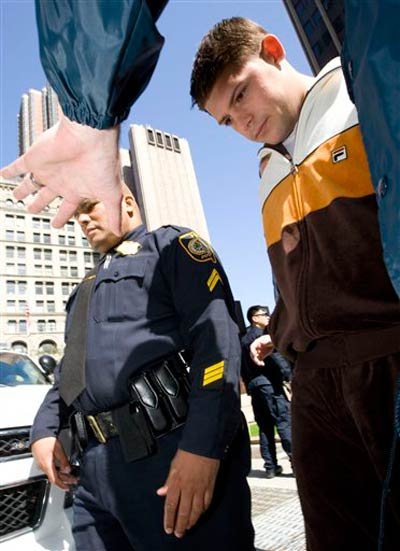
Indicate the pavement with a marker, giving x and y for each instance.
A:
(276, 512)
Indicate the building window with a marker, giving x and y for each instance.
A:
(87, 257)
(9, 220)
(51, 306)
(48, 254)
(22, 306)
(64, 271)
(9, 202)
(73, 257)
(150, 137)
(63, 255)
(21, 252)
(177, 146)
(70, 227)
(22, 326)
(85, 242)
(38, 269)
(168, 141)
(11, 326)
(19, 346)
(37, 254)
(20, 236)
(11, 306)
(36, 223)
(36, 238)
(39, 287)
(48, 347)
(20, 204)
(21, 287)
(46, 223)
(48, 269)
(160, 142)
(52, 326)
(65, 289)
(40, 306)
(9, 235)
(71, 240)
(10, 268)
(41, 326)
(49, 288)
(21, 269)
(61, 240)
(10, 252)
(46, 238)
(74, 271)
(10, 287)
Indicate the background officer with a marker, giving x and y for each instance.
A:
(154, 294)
(265, 385)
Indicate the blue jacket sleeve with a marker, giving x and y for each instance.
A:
(52, 415)
(98, 56)
(203, 301)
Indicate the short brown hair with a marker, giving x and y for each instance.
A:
(228, 44)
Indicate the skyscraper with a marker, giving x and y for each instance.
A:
(164, 180)
(39, 110)
(320, 27)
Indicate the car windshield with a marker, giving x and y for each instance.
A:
(16, 369)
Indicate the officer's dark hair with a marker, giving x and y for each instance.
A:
(256, 309)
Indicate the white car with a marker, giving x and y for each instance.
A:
(34, 515)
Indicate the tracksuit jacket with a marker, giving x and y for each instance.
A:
(320, 223)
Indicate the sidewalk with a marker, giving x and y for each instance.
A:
(276, 513)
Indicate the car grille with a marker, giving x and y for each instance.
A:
(21, 506)
(14, 442)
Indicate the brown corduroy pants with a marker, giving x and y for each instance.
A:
(342, 432)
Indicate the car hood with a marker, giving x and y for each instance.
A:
(20, 403)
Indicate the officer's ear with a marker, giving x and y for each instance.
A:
(272, 50)
(130, 204)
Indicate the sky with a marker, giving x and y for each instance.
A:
(225, 163)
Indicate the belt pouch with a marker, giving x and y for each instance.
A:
(173, 386)
(135, 436)
(146, 396)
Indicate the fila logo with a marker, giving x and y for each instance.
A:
(339, 154)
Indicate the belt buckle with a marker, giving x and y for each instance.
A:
(94, 425)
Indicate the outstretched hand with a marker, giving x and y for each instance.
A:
(260, 348)
(75, 162)
(188, 490)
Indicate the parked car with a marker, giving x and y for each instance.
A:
(34, 515)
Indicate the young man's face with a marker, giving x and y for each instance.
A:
(257, 101)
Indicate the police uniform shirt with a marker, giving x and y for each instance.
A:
(156, 293)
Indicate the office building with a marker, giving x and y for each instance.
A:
(320, 28)
(39, 110)
(39, 267)
(164, 180)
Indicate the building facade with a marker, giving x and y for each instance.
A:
(164, 181)
(320, 28)
(39, 267)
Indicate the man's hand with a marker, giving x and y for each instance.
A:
(260, 348)
(75, 162)
(51, 459)
(188, 489)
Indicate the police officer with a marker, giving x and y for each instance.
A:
(265, 385)
(153, 295)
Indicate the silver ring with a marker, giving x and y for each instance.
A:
(36, 184)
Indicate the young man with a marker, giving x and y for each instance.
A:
(338, 315)
(146, 429)
(265, 386)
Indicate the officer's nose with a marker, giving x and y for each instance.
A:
(246, 123)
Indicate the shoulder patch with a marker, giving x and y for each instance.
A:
(197, 248)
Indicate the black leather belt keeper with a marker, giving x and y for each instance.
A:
(158, 405)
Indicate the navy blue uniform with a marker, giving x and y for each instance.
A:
(171, 294)
(270, 406)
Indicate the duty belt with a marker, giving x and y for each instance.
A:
(158, 405)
